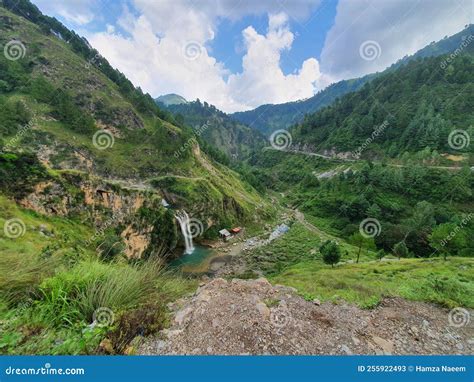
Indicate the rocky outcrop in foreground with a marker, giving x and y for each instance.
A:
(254, 317)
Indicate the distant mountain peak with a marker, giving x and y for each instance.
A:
(171, 99)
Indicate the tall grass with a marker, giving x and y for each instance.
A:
(20, 275)
(74, 295)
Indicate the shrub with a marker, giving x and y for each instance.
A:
(19, 173)
(330, 252)
(400, 249)
(444, 290)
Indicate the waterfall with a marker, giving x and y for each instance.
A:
(183, 219)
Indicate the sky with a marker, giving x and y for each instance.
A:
(240, 54)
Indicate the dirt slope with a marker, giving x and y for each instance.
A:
(254, 317)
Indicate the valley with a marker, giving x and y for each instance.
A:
(339, 224)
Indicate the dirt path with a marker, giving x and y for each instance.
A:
(254, 317)
(453, 168)
(301, 219)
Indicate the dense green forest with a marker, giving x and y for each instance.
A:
(420, 104)
(268, 118)
(217, 131)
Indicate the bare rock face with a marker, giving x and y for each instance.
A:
(52, 198)
(254, 317)
(47, 198)
(102, 204)
(136, 242)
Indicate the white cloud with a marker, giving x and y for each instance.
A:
(166, 44)
(399, 27)
(165, 52)
(262, 80)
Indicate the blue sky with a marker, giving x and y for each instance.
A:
(239, 54)
(310, 34)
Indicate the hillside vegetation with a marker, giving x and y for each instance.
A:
(218, 132)
(268, 118)
(415, 107)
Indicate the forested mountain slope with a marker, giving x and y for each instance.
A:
(268, 118)
(413, 107)
(217, 129)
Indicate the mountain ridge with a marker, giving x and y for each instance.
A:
(218, 130)
(271, 117)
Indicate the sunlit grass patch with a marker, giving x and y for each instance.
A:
(448, 283)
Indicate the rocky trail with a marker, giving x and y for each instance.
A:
(254, 317)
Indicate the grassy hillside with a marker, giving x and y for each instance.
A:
(450, 284)
(74, 116)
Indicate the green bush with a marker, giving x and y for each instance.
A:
(19, 173)
(330, 252)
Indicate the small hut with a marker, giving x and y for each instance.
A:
(224, 234)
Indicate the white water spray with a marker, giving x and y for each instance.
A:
(183, 219)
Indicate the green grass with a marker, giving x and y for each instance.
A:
(76, 294)
(50, 286)
(449, 283)
(297, 245)
(57, 318)
(67, 232)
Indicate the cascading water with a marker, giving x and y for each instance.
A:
(183, 219)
